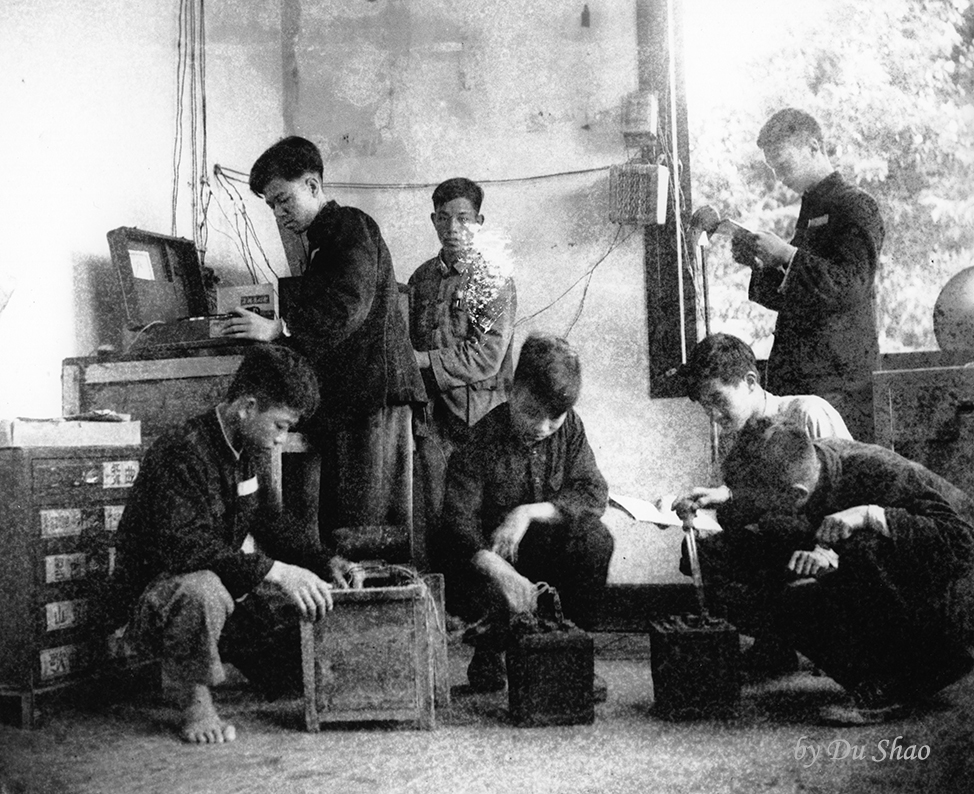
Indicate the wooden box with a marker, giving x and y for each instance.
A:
(378, 656)
(161, 393)
(696, 667)
(549, 678)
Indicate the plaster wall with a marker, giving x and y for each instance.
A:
(517, 95)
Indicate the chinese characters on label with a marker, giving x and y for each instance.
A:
(66, 614)
(61, 661)
(65, 567)
(119, 473)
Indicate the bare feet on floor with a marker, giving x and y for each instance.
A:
(200, 722)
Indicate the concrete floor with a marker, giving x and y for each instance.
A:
(127, 745)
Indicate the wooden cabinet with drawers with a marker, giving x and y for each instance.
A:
(59, 510)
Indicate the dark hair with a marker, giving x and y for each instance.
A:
(721, 356)
(277, 377)
(786, 124)
(458, 187)
(769, 452)
(550, 369)
(290, 158)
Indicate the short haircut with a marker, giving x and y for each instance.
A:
(455, 188)
(276, 377)
(718, 356)
(787, 124)
(289, 159)
(770, 452)
(550, 369)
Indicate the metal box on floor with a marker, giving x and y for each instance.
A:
(378, 656)
(549, 678)
(696, 667)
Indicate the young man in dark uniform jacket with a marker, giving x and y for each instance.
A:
(524, 502)
(209, 570)
(347, 322)
(822, 283)
(854, 555)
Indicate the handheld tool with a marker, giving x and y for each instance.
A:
(687, 511)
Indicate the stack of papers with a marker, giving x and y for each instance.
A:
(660, 512)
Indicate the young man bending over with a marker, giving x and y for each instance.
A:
(524, 499)
(197, 590)
(886, 623)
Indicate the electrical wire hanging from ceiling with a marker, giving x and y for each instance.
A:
(191, 78)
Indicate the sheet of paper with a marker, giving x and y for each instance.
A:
(141, 265)
(733, 227)
(651, 513)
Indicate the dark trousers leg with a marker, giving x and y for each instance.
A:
(856, 625)
(573, 557)
(435, 441)
(262, 639)
(366, 471)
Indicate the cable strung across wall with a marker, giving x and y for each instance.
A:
(243, 177)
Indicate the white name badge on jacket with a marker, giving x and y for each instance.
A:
(247, 487)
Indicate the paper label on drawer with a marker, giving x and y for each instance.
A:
(66, 614)
(64, 567)
(119, 473)
(60, 661)
(60, 523)
(113, 514)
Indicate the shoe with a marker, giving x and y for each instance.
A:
(853, 714)
(868, 705)
(600, 689)
(921, 685)
(767, 658)
(486, 671)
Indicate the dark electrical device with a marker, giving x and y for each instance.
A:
(163, 292)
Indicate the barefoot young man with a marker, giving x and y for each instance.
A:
(196, 590)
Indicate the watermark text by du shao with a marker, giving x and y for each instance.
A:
(809, 752)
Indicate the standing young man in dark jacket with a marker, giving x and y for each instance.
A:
(822, 283)
(347, 322)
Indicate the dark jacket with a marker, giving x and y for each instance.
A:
(930, 548)
(346, 319)
(494, 472)
(826, 337)
(191, 507)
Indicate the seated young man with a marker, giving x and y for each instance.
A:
(722, 376)
(524, 501)
(194, 585)
(884, 623)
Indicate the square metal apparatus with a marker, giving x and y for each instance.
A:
(378, 656)
(549, 678)
(696, 667)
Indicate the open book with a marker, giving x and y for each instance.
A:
(660, 512)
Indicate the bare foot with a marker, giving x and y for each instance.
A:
(200, 722)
